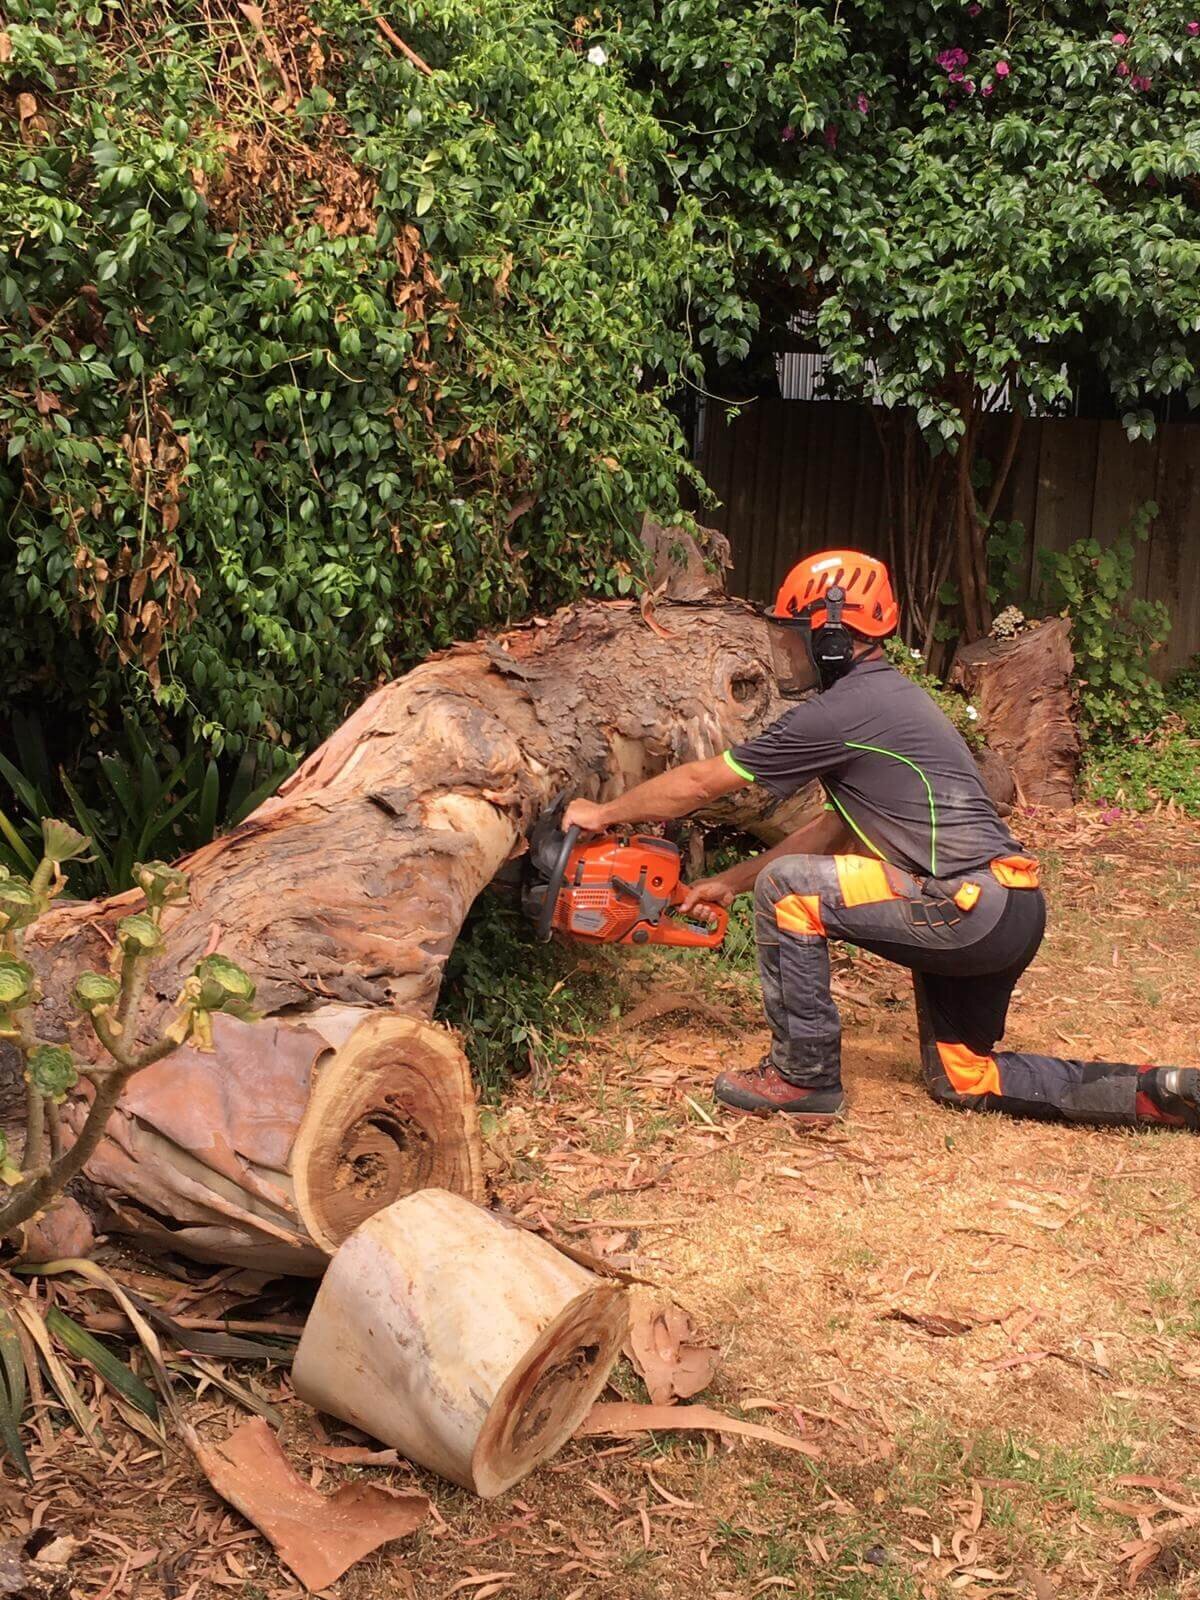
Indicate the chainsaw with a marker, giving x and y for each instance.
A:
(612, 888)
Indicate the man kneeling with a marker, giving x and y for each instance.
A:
(939, 885)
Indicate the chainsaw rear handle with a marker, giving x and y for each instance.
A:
(687, 933)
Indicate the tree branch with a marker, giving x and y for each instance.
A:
(1006, 464)
(397, 43)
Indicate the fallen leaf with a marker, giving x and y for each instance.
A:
(476, 1579)
(319, 1537)
(622, 1417)
(1141, 1556)
(664, 1350)
(931, 1322)
(1043, 1586)
(360, 1455)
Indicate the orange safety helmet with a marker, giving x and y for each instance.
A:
(869, 607)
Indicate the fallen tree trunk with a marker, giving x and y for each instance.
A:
(343, 895)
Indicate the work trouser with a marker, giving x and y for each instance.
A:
(966, 942)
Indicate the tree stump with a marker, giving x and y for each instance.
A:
(464, 1341)
(1022, 690)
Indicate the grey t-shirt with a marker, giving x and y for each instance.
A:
(892, 764)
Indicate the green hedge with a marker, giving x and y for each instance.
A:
(312, 361)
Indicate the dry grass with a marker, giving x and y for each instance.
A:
(995, 1461)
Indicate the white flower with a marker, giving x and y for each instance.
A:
(972, 714)
(598, 55)
(456, 502)
(915, 654)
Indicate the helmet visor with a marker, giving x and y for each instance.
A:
(791, 658)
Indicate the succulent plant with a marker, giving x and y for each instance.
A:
(17, 983)
(162, 885)
(51, 1068)
(19, 905)
(61, 842)
(223, 986)
(94, 991)
(139, 935)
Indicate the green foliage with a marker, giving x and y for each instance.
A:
(1006, 542)
(1112, 635)
(132, 797)
(514, 999)
(311, 362)
(1183, 697)
(958, 710)
(966, 197)
(1157, 768)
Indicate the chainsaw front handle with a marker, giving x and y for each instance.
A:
(554, 883)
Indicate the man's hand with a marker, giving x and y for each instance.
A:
(585, 814)
(716, 891)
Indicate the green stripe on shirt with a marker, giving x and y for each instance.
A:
(741, 771)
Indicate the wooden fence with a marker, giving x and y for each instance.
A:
(796, 476)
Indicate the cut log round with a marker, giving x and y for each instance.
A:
(346, 1112)
(393, 1111)
(467, 1343)
(1022, 690)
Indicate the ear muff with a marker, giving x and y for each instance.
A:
(833, 643)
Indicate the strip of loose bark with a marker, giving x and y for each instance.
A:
(615, 1419)
(319, 1537)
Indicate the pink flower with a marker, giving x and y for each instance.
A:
(988, 90)
(863, 104)
(1120, 38)
(957, 77)
(1140, 84)
(973, 11)
(952, 59)
(787, 134)
(1194, 28)
(1002, 69)
(831, 135)
(969, 86)
(1122, 69)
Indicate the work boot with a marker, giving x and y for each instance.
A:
(762, 1089)
(1170, 1096)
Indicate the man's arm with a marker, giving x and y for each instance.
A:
(671, 795)
(826, 835)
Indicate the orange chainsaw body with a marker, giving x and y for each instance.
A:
(619, 890)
